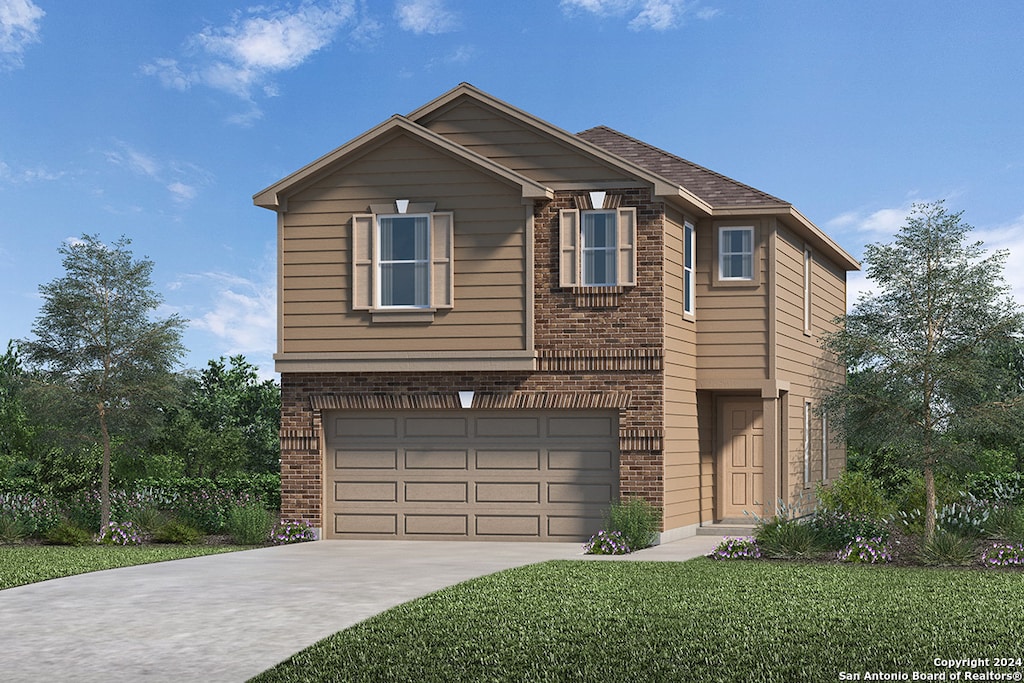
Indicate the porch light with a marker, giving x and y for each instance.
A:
(466, 399)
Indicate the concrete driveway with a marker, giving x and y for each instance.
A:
(229, 617)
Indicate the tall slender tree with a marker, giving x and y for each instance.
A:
(96, 335)
(920, 348)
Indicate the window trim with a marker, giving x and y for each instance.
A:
(807, 444)
(689, 269)
(379, 263)
(755, 255)
(807, 290)
(824, 446)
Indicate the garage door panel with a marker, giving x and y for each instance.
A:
(366, 524)
(507, 460)
(508, 525)
(573, 527)
(581, 426)
(508, 426)
(433, 525)
(365, 491)
(436, 460)
(498, 492)
(436, 492)
(366, 460)
(580, 460)
(366, 427)
(437, 426)
(579, 493)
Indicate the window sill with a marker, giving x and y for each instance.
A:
(598, 296)
(402, 315)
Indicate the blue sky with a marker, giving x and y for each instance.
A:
(159, 121)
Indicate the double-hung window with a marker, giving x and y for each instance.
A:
(736, 253)
(402, 261)
(597, 248)
(689, 285)
(598, 243)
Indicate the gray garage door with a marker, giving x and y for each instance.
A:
(470, 475)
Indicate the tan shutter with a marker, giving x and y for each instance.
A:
(568, 247)
(627, 246)
(362, 262)
(442, 284)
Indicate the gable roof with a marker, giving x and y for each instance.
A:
(716, 189)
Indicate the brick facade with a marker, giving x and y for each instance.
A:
(595, 349)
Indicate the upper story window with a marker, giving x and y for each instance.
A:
(689, 284)
(597, 247)
(402, 261)
(807, 290)
(736, 253)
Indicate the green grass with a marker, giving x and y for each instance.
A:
(694, 621)
(20, 565)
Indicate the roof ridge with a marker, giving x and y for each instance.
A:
(666, 153)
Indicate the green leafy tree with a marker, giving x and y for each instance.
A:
(95, 336)
(228, 422)
(919, 350)
(16, 432)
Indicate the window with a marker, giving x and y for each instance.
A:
(736, 253)
(824, 446)
(807, 443)
(689, 293)
(597, 248)
(402, 262)
(807, 290)
(598, 240)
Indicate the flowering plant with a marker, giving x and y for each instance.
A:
(736, 549)
(607, 543)
(292, 531)
(1004, 555)
(119, 533)
(866, 550)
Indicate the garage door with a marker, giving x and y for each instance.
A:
(470, 475)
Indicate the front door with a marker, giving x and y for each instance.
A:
(741, 458)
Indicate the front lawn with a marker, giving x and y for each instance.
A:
(695, 621)
(24, 564)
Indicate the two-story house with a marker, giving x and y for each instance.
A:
(491, 328)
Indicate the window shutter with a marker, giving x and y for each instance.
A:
(627, 246)
(568, 247)
(362, 262)
(442, 285)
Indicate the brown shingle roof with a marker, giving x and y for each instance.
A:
(716, 189)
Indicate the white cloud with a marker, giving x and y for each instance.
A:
(240, 57)
(28, 175)
(243, 312)
(658, 15)
(425, 16)
(1011, 238)
(19, 28)
(181, 179)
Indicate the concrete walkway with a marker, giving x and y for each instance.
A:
(229, 617)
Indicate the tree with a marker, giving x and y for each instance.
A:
(229, 422)
(94, 336)
(920, 352)
(16, 433)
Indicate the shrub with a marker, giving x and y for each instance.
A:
(856, 494)
(1007, 522)
(37, 514)
(68, 533)
(208, 509)
(149, 518)
(786, 538)
(1004, 555)
(736, 549)
(11, 529)
(998, 488)
(119, 533)
(177, 532)
(250, 524)
(835, 530)
(636, 520)
(866, 550)
(948, 549)
(292, 531)
(607, 543)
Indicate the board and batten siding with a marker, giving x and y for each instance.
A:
(682, 447)
(490, 309)
(732, 333)
(517, 146)
(801, 360)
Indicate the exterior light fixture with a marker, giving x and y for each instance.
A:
(466, 399)
(402, 205)
(597, 200)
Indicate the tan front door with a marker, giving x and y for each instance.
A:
(741, 459)
(475, 475)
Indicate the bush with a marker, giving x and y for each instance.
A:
(856, 494)
(263, 487)
(835, 530)
(250, 524)
(1007, 522)
(177, 532)
(607, 543)
(296, 531)
(866, 550)
(1004, 555)
(948, 549)
(998, 488)
(149, 518)
(11, 529)
(636, 520)
(736, 549)
(208, 510)
(68, 533)
(119, 533)
(36, 513)
(786, 538)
